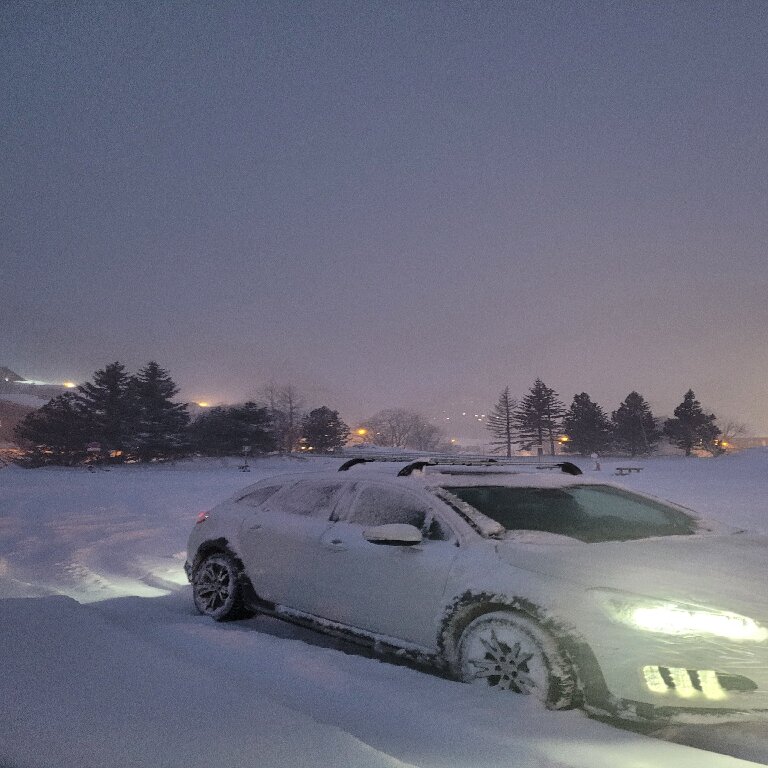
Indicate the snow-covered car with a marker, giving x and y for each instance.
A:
(576, 591)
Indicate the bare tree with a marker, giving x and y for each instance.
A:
(400, 428)
(286, 410)
(730, 430)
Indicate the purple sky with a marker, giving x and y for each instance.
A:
(390, 204)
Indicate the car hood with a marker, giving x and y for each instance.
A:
(723, 571)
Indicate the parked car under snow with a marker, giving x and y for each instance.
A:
(575, 591)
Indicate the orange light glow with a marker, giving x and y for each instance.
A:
(70, 384)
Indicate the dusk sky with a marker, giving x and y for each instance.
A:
(390, 204)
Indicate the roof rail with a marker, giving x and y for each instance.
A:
(418, 464)
(366, 459)
(567, 467)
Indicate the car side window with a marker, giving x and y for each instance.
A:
(257, 497)
(307, 498)
(378, 505)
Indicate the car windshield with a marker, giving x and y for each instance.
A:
(588, 513)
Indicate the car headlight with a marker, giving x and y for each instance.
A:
(674, 618)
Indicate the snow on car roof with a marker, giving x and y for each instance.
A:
(528, 474)
(512, 479)
(442, 475)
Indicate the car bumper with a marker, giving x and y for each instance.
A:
(671, 677)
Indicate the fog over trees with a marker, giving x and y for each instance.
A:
(540, 423)
(119, 416)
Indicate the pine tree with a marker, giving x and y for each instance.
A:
(110, 404)
(538, 418)
(160, 430)
(501, 422)
(57, 433)
(634, 427)
(691, 427)
(224, 431)
(586, 426)
(253, 427)
(323, 430)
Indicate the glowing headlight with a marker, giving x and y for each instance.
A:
(672, 618)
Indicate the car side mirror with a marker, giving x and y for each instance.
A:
(394, 534)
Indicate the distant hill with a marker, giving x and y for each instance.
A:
(7, 375)
(11, 383)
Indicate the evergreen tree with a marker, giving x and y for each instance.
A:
(226, 431)
(110, 404)
(57, 433)
(587, 427)
(634, 427)
(324, 430)
(691, 427)
(539, 417)
(501, 422)
(160, 430)
(254, 426)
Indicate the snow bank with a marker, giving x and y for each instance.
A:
(79, 691)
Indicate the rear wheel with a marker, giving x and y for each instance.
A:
(508, 651)
(217, 590)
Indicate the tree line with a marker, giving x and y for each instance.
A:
(120, 417)
(541, 421)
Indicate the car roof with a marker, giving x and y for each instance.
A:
(450, 475)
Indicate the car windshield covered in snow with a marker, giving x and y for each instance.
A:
(588, 513)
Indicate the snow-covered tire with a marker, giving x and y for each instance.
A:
(217, 589)
(506, 650)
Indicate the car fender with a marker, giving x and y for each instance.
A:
(468, 606)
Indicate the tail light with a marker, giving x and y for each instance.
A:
(201, 517)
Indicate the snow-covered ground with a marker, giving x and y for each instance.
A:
(104, 662)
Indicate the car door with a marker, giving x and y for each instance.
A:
(392, 590)
(280, 542)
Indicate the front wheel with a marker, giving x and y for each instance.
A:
(508, 651)
(216, 588)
